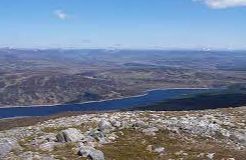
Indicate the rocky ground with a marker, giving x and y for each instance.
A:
(194, 135)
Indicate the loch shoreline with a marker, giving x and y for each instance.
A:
(144, 93)
(148, 98)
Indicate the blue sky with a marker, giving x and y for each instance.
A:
(123, 23)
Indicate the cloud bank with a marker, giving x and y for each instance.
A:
(61, 14)
(221, 4)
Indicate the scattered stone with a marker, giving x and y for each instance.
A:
(239, 137)
(99, 136)
(69, 135)
(116, 124)
(28, 155)
(201, 155)
(89, 138)
(34, 156)
(105, 126)
(112, 136)
(6, 145)
(149, 148)
(150, 131)
(51, 137)
(181, 153)
(49, 146)
(139, 124)
(159, 150)
(210, 155)
(91, 152)
(228, 129)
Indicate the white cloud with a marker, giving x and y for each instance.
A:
(220, 4)
(61, 14)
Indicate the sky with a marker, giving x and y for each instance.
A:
(165, 24)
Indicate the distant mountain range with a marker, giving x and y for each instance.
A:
(57, 76)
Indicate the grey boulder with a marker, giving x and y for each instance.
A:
(105, 126)
(6, 145)
(69, 135)
(91, 153)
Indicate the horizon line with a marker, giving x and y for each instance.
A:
(125, 48)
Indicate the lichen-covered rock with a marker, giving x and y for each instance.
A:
(91, 152)
(150, 131)
(116, 123)
(139, 124)
(239, 137)
(49, 137)
(99, 136)
(6, 145)
(105, 126)
(69, 135)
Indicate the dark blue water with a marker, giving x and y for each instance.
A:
(151, 97)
